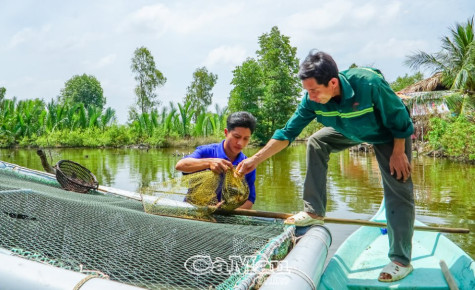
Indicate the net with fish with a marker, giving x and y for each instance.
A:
(114, 236)
(202, 189)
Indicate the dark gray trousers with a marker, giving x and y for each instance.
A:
(398, 195)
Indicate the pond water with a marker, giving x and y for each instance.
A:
(443, 189)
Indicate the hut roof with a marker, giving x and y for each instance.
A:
(434, 83)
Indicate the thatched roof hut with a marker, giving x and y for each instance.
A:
(434, 83)
(426, 97)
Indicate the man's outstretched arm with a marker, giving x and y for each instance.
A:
(272, 147)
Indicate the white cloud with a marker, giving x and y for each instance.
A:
(183, 19)
(226, 55)
(342, 17)
(327, 16)
(364, 13)
(392, 48)
(20, 37)
(150, 19)
(106, 61)
(29, 35)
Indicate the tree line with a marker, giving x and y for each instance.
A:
(265, 85)
(79, 110)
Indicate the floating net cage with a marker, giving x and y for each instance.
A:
(115, 237)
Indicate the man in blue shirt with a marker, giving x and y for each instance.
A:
(220, 157)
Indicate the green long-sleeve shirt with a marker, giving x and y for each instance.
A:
(369, 111)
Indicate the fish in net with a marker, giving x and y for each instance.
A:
(196, 195)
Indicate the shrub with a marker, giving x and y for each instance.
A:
(437, 129)
(458, 140)
(119, 136)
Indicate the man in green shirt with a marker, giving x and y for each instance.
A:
(356, 105)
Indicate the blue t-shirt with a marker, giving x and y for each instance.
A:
(216, 150)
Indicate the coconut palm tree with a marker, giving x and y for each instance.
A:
(456, 59)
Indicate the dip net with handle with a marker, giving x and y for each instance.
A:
(116, 237)
(202, 190)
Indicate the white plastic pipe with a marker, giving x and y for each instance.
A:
(303, 266)
(17, 273)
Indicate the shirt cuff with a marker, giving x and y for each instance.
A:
(282, 135)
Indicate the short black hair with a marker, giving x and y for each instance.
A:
(320, 66)
(241, 119)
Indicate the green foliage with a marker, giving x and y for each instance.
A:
(311, 128)
(282, 85)
(2, 93)
(268, 87)
(119, 136)
(186, 112)
(157, 139)
(199, 92)
(145, 124)
(20, 119)
(83, 89)
(201, 125)
(248, 81)
(456, 59)
(168, 121)
(455, 103)
(26, 121)
(405, 81)
(454, 136)
(113, 136)
(438, 128)
(148, 77)
(458, 141)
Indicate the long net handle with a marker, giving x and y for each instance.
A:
(280, 215)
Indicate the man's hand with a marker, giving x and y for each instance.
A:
(245, 166)
(398, 162)
(218, 165)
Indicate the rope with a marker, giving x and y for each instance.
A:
(94, 274)
(84, 280)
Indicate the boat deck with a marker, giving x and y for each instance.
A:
(367, 267)
(360, 259)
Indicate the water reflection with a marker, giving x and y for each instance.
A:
(443, 189)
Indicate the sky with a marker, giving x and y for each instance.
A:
(45, 43)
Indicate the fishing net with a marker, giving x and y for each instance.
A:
(74, 177)
(202, 190)
(113, 236)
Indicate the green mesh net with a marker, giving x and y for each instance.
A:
(113, 236)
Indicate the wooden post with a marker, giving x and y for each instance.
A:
(44, 162)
